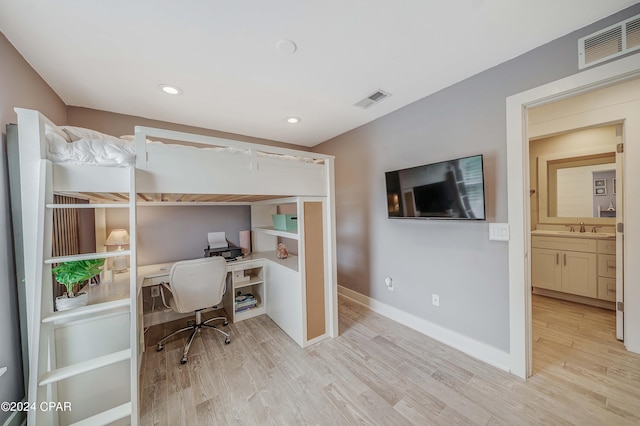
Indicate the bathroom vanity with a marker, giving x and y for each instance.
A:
(576, 266)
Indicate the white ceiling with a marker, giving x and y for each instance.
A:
(112, 55)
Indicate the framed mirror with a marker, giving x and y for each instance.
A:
(577, 187)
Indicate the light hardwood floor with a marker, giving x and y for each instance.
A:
(378, 372)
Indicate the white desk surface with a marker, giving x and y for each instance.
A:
(162, 269)
(119, 287)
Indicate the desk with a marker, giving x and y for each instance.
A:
(252, 265)
(276, 282)
(148, 274)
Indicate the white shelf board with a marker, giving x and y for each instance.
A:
(249, 313)
(106, 417)
(62, 373)
(102, 255)
(86, 310)
(290, 262)
(270, 231)
(251, 282)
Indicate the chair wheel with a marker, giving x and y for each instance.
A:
(159, 348)
(183, 360)
(226, 323)
(227, 341)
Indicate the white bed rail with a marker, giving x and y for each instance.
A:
(143, 133)
(226, 167)
(184, 163)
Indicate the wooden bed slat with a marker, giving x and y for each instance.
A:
(118, 197)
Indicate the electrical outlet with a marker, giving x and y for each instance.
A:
(155, 291)
(389, 283)
(435, 300)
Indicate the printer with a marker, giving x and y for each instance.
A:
(218, 246)
(229, 252)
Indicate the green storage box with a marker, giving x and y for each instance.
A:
(285, 222)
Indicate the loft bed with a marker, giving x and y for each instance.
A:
(181, 165)
(150, 167)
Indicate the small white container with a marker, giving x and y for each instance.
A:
(64, 303)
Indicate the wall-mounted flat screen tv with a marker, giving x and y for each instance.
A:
(451, 189)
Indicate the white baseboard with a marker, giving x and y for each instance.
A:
(17, 418)
(472, 347)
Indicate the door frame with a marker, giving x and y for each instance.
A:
(518, 192)
(620, 254)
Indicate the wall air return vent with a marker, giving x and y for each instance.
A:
(373, 98)
(609, 43)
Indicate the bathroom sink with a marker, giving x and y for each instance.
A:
(573, 234)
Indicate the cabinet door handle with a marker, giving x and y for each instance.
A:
(611, 267)
(557, 258)
(565, 259)
(609, 289)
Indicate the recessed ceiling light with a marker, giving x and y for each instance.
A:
(171, 90)
(293, 120)
(286, 47)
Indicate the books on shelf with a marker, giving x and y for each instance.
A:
(244, 297)
(245, 302)
(246, 308)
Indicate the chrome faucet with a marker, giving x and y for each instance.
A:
(570, 228)
(582, 227)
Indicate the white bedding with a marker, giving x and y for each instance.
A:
(113, 152)
(83, 146)
(80, 146)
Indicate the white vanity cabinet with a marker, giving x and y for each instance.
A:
(546, 271)
(607, 270)
(580, 267)
(568, 265)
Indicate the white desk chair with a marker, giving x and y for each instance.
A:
(196, 285)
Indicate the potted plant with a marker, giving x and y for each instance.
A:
(71, 273)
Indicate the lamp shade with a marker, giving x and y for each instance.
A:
(118, 237)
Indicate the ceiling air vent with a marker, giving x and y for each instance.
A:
(608, 43)
(374, 98)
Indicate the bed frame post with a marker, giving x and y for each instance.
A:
(331, 248)
(31, 148)
(141, 147)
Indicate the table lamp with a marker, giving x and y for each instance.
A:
(118, 237)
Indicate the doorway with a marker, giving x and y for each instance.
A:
(619, 71)
(574, 208)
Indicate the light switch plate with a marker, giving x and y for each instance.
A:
(499, 231)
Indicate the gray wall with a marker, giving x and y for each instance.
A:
(19, 86)
(120, 124)
(178, 233)
(453, 259)
(602, 202)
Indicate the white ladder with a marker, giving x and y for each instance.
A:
(84, 362)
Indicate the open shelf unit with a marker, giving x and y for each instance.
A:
(296, 288)
(245, 278)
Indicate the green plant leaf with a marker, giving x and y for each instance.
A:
(77, 271)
